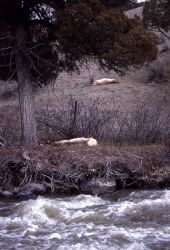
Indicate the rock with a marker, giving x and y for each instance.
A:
(98, 186)
(6, 194)
(36, 188)
(24, 195)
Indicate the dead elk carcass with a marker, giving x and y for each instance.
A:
(87, 141)
(104, 81)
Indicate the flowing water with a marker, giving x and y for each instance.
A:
(126, 220)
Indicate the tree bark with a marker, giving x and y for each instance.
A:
(25, 88)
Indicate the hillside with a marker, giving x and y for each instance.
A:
(149, 84)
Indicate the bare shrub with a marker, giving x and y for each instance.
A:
(10, 125)
(147, 123)
(8, 90)
(156, 72)
(2, 138)
(76, 119)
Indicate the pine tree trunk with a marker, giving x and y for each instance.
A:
(26, 96)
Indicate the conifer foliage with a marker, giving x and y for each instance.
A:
(157, 13)
(41, 38)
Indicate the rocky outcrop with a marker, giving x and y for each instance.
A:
(136, 12)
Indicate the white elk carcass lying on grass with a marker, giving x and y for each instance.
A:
(105, 81)
(88, 141)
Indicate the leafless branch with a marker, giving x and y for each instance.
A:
(42, 60)
(6, 65)
(7, 48)
(11, 75)
(33, 64)
(5, 37)
(163, 33)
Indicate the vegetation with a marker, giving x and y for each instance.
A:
(157, 14)
(123, 4)
(147, 123)
(68, 169)
(40, 38)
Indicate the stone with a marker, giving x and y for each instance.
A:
(25, 195)
(37, 188)
(6, 194)
(98, 186)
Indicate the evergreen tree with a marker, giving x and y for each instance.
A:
(40, 38)
(157, 14)
(124, 4)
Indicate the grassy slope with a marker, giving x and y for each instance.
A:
(132, 90)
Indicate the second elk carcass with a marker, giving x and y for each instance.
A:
(104, 81)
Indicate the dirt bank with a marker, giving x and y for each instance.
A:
(66, 169)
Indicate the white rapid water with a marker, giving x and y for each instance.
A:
(127, 220)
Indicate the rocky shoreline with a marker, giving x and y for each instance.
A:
(26, 172)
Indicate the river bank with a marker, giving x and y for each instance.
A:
(49, 169)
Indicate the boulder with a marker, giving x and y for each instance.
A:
(98, 186)
(25, 195)
(36, 188)
(6, 194)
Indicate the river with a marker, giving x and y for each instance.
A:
(134, 220)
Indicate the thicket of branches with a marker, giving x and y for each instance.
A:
(157, 14)
(146, 123)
